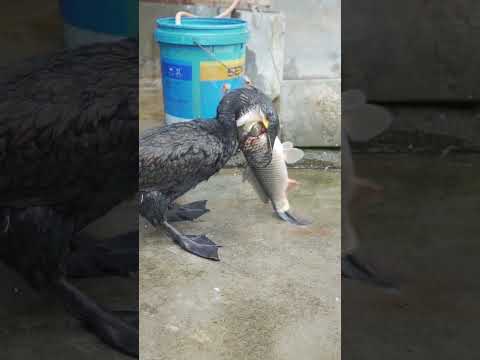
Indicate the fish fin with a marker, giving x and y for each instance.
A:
(293, 219)
(365, 121)
(249, 175)
(367, 183)
(352, 98)
(293, 155)
(292, 184)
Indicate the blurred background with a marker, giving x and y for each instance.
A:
(419, 60)
(35, 326)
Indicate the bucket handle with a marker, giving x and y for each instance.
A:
(212, 55)
(227, 12)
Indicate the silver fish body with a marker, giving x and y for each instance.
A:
(360, 122)
(273, 178)
(271, 181)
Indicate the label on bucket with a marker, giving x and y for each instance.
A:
(216, 78)
(213, 91)
(177, 88)
(215, 70)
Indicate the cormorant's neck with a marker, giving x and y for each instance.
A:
(226, 125)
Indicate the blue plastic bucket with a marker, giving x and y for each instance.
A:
(201, 59)
(88, 21)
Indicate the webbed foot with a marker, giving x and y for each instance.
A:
(187, 212)
(199, 245)
(111, 329)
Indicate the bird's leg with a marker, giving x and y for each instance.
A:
(114, 256)
(120, 334)
(117, 256)
(187, 212)
(154, 206)
(36, 245)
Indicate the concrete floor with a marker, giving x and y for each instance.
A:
(424, 235)
(275, 294)
(36, 326)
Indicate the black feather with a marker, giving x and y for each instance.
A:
(68, 142)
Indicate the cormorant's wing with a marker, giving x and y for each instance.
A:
(175, 158)
(67, 120)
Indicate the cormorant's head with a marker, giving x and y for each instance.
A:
(256, 121)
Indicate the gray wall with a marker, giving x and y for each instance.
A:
(419, 58)
(412, 50)
(310, 97)
(313, 42)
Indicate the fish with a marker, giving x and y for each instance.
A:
(360, 122)
(272, 182)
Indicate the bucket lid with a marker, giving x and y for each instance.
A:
(201, 31)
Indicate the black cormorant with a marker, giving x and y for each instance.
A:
(68, 153)
(175, 158)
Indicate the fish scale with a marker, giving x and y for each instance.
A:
(274, 178)
(271, 181)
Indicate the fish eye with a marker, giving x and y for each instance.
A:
(256, 129)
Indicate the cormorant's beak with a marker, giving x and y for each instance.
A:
(265, 122)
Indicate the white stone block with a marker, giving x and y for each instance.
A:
(310, 112)
(265, 50)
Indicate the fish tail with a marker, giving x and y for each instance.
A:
(291, 218)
